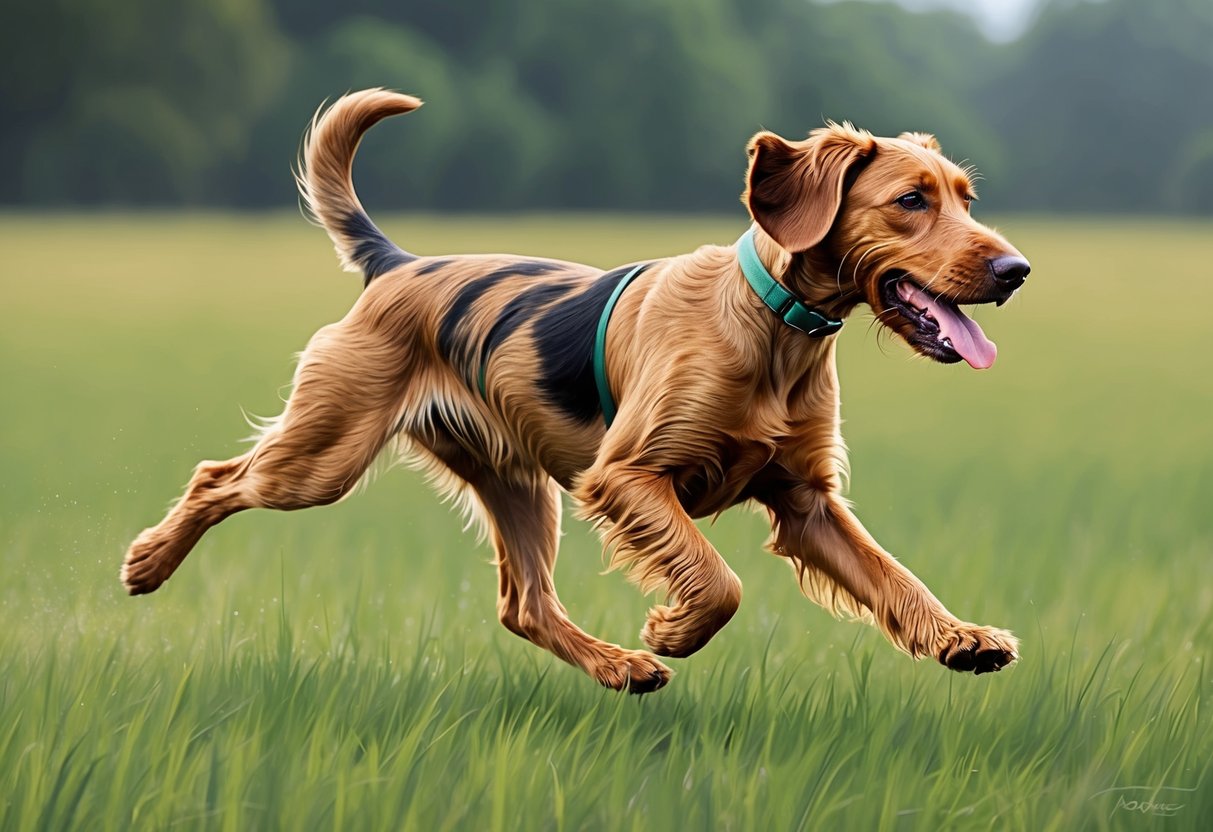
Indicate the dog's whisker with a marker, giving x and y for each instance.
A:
(935, 276)
(841, 263)
(872, 250)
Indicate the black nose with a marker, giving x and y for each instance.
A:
(1010, 270)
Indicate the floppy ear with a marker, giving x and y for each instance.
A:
(925, 139)
(794, 189)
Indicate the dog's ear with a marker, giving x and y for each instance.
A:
(924, 139)
(794, 189)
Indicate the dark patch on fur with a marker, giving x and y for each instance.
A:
(449, 343)
(452, 338)
(433, 266)
(521, 308)
(564, 337)
(447, 425)
(374, 253)
(527, 268)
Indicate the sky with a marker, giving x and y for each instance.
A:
(999, 19)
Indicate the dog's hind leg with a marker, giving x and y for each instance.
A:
(524, 522)
(344, 407)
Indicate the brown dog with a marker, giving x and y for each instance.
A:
(484, 371)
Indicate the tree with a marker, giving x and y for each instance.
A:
(132, 102)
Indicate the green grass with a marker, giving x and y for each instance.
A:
(343, 668)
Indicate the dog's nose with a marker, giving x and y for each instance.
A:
(1010, 270)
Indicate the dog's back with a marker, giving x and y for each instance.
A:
(472, 319)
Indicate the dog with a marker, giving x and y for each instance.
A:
(654, 393)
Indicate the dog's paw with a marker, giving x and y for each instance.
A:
(670, 631)
(680, 630)
(145, 568)
(634, 671)
(969, 648)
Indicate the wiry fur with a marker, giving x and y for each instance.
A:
(719, 403)
(324, 176)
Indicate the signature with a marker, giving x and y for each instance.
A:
(1157, 803)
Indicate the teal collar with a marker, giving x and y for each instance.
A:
(777, 297)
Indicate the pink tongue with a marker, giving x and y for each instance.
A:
(966, 336)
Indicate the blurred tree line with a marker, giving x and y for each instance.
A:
(631, 104)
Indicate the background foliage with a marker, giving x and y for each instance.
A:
(633, 104)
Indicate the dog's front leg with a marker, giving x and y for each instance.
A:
(660, 548)
(843, 568)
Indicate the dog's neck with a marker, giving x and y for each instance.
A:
(792, 355)
(813, 276)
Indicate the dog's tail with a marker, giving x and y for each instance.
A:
(324, 175)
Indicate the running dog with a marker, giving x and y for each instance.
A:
(653, 393)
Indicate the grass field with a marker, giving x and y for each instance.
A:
(342, 668)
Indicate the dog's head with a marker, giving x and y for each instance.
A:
(886, 222)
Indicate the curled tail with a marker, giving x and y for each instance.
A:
(326, 185)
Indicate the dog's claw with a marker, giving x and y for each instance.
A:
(972, 649)
(637, 672)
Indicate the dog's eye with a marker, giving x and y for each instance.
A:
(912, 201)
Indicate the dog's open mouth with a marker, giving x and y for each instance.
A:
(941, 330)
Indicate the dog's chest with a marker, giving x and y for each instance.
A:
(722, 480)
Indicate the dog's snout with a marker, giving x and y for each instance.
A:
(1010, 270)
